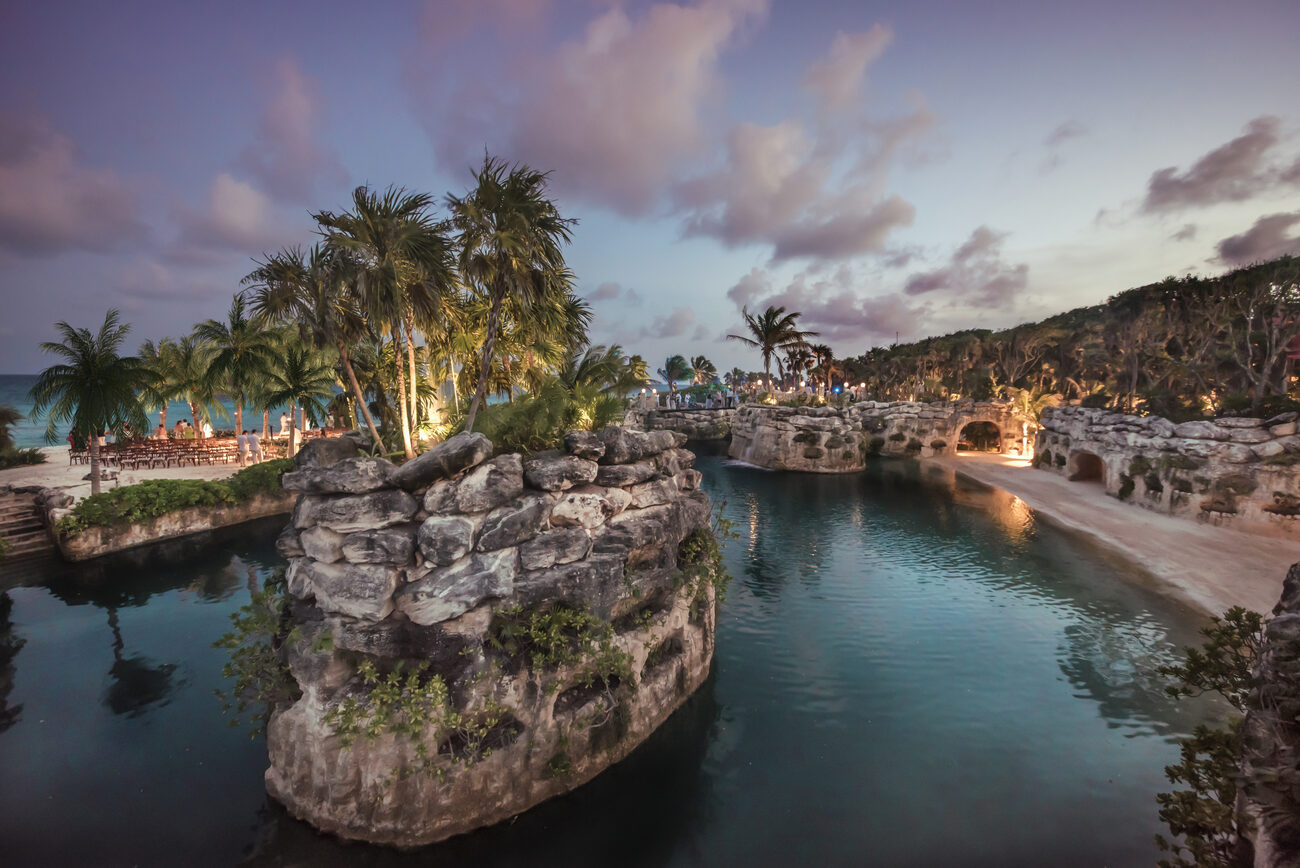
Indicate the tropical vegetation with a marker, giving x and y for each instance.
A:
(11, 455)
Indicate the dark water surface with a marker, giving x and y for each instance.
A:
(910, 671)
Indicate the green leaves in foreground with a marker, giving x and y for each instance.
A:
(261, 678)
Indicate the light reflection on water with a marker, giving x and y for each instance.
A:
(911, 670)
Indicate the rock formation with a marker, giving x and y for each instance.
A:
(838, 439)
(475, 634)
(1239, 471)
(695, 424)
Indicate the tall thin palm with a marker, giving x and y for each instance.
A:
(825, 357)
(95, 389)
(193, 385)
(403, 261)
(510, 236)
(771, 332)
(241, 353)
(303, 378)
(162, 389)
(312, 293)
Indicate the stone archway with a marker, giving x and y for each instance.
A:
(1085, 467)
(980, 435)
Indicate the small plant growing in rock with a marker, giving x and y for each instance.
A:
(261, 678)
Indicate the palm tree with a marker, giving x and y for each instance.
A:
(303, 378)
(311, 293)
(675, 368)
(8, 416)
(702, 370)
(95, 389)
(160, 360)
(771, 331)
(241, 353)
(735, 378)
(825, 357)
(403, 262)
(193, 386)
(510, 237)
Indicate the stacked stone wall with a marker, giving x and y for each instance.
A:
(427, 565)
(1241, 472)
(839, 439)
(695, 424)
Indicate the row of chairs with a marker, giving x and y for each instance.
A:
(177, 453)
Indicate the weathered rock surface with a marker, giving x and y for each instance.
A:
(448, 458)
(325, 451)
(497, 539)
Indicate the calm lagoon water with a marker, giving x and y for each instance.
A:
(909, 671)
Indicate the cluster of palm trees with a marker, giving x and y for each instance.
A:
(775, 333)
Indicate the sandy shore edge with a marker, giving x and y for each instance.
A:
(1208, 567)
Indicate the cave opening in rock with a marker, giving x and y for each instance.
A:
(1085, 467)
(980, 437)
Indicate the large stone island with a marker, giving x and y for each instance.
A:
(473, 634)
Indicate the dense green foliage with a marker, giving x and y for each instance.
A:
(156, 497)
(20, 458)
(1203, 822)
(1181, 348)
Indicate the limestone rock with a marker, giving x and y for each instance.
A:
(451, 456)
(597, 580)
(653, 493)
(445, 539)
(581, 509)
(584, 444)
(559, 546)
(362, 591)
(448, 592)
(355, 512)
(393, 546)
(623, 445)
(322, 544)
(490, 485)
(551, 471)
(347, 476)
(521, 519)
(288, 545)
(1200, 430)
(626, 474)
(440, 497)
(618, 498)
(325, 451)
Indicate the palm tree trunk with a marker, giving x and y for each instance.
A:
(410, 359)
(239, 417)
(401, 395)
(455, 388)
(266, 424)
(162, 416)
(356, 388)
(435, 417)
(293, 417)
(494, 316)
(93, 444)
(194, 420)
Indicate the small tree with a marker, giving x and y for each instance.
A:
(95, 389)
(304, 377)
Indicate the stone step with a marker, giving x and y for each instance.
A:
(13, 528)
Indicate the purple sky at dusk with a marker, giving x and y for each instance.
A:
(904, 168)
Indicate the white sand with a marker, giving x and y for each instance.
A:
(56, 473)
(1212, 568)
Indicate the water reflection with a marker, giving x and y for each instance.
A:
(10, 644)
(136, 682)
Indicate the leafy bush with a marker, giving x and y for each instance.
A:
(20, 458)
(540, 420)
(5, 548)
(152, 498)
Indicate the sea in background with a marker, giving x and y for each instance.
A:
(30, 432)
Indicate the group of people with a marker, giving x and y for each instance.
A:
(183, 431)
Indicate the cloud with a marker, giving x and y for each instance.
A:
(613, 112)
(605, 292)
(50, 202)
(1055, 139)
(837, 79)
(1268, 239)
(1187, 233)
(976, 273)
(701, 333)
(284, 157)
(237, 217)
(1238, 170)
(673, 325)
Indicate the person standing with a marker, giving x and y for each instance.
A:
(254, 446)
(207, 430)
(241, 441)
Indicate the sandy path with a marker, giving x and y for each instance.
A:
(55, 473)
(1212, 568)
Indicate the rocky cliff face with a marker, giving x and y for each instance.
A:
(838, 439)
(1243, 472)
(476, 634)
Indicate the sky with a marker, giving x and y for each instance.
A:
(892, 170)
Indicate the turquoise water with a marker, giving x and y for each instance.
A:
(909, 671)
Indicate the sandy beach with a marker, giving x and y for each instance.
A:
(57, 473)
(1209, 567)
